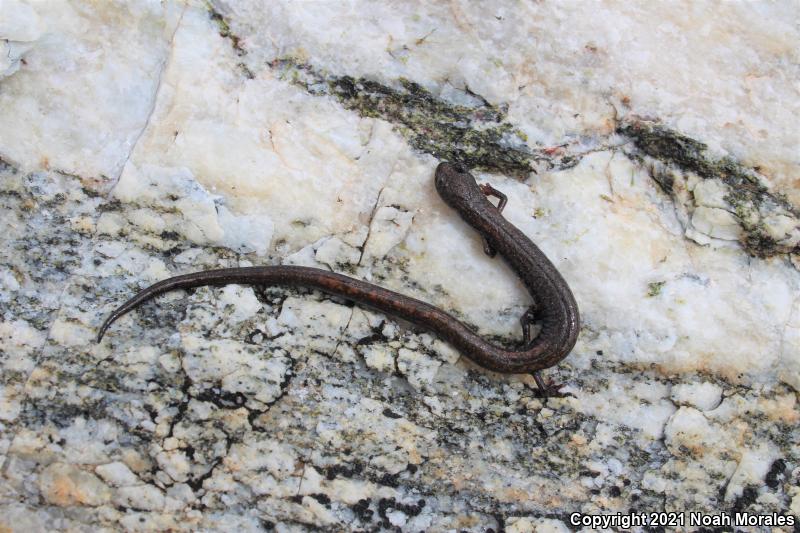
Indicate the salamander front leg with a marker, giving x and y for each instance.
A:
(488, 190)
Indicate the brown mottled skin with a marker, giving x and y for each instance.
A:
(555, 307)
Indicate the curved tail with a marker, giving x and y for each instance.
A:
(373, 296)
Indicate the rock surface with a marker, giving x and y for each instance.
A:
(649, 149)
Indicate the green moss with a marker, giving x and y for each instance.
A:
(477, 136)
(654, 288)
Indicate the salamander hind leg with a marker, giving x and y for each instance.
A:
(543, 388)
(526, 320)
(549, 389)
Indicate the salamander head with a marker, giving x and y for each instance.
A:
(454, 182)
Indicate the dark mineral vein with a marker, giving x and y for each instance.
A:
(476, 136)
(751, 201)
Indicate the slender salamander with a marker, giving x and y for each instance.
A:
(555, 307)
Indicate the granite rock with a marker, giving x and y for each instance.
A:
(650, 150)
